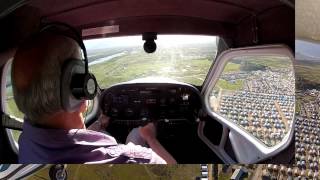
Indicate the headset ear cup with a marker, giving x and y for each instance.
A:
(68, 101)
(77, 84)
(91, 85)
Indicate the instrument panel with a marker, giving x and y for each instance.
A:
(139, 103)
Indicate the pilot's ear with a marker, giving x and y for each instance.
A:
(84, 106)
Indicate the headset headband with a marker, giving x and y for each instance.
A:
(54, 27)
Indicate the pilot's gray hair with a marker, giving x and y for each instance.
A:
(42, 96)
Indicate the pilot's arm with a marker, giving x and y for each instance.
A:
(100, 125)
(148, 133)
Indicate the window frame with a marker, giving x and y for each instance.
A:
(256, 150)
(14, 144)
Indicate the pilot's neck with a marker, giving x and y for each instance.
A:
(65, 120)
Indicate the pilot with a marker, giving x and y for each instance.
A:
(53, 135)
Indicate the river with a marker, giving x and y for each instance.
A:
(104, 59)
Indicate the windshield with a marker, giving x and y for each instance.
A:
(185, 58)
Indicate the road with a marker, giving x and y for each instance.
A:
(210, 176)
(283, 117)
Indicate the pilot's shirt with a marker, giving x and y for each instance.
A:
(43, 146)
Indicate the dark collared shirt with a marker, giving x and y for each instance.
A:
(39, 145)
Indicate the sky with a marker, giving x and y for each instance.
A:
(162, 40)
(308, 48)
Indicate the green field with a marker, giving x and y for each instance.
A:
(271, 61)
(308, 74)
(223, 176)
(250, 64)
(126, 171)
(12, 109)
(139, 65)
(223, 84)
(231, 67)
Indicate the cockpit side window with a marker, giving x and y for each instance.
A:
(9, 106)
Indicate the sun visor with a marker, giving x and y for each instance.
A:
(100, 30)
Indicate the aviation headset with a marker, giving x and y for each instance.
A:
(76, 83)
